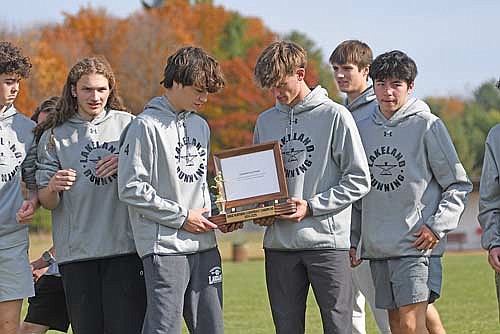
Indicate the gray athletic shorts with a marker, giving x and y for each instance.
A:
(400, 282)
(435, 278)
(16, 278)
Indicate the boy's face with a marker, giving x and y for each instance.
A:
(187, 98)
(392, 94)
(42, 116)
(9, 87)
(91, 92)
(288, 91)
(349, 78)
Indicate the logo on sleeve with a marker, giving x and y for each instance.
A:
(10, 159)
(387, 166)
(297, 154)
(215, 275)
(191, 158)
(92, 153)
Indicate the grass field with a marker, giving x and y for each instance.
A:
(467, 306)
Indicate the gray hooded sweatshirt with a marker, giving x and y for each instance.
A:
(162, 175)
(324, 164)
(90, 222)
(489, 191)
(362, 106)
(17, 161)
(416, 178)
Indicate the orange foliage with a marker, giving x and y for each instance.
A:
(137, 48)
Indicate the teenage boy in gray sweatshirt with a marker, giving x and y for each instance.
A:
(77, 172)
(489, 202)
(326, 171)
(351, 61)
(419, 190)
(17, 161)
(162, 177)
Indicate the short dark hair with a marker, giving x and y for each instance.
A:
(394, 64)
(192, 66)
(354, 52)
(12, 61)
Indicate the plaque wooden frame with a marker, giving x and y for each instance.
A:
(233, 207)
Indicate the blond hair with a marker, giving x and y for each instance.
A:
(277, 61)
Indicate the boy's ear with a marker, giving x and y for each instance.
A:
(410, 87)
(301, 73)
(365, 70)
(73, 91)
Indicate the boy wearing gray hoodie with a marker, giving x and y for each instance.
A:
(17, 162)
(326, 171)
(162, 178)
(77, 172)
(489, 202)
(350, 62)
(419, 191)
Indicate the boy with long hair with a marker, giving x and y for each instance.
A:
(77, 172)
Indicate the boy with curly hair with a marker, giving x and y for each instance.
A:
(17, 162)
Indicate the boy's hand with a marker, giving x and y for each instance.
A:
(494, 258)
(62, 180)
(107, 166)
(37, 273)
(264, 221)
(426, 239)
(302, 210)
(197, 223)
(230, 227)
(352, 257)
(26, 212)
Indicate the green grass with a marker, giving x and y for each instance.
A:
(467, 305)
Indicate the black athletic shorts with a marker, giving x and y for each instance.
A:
(105, 295)
(48, 306)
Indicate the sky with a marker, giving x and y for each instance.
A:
(455, 43)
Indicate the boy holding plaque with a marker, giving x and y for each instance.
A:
(163, 169)
(326, 172)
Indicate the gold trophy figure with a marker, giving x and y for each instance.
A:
(220, 197)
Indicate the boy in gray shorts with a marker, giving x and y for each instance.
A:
(17, 162)
(419, 190)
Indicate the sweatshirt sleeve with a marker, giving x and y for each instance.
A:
(47, 160)
(451, 176)
(354, 182)
(28, 167)
(489, 193)
(356, 223)
(135, 188)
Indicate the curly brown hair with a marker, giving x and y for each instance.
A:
(12, 61)
(67, 106)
